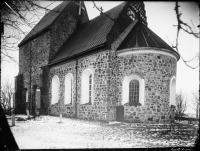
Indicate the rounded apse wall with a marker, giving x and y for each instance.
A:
(156, 69)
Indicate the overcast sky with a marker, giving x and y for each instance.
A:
(161, 18)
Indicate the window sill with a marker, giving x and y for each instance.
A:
(70, 104)
(172, 106)
(135, 104)
(54, 104)
(87, 104)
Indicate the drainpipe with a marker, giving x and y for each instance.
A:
(30, 79)
(116, 87)
(76, 87)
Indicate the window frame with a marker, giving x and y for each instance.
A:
(172, 91)
(68, 96)
(125, 89)
(86, 93)
(58, 93)
(134, 91)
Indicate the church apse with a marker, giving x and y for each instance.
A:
(157, 70)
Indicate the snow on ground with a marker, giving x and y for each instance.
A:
(46, 132)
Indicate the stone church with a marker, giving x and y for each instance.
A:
(111, 68)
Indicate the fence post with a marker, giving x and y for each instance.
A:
(60, 117)
(60, 110)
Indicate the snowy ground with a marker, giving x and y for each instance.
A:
(46, 132)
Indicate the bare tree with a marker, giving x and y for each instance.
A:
(181, 105)
(188, 29)
(15, 15)
(7, 91)
(195, 103)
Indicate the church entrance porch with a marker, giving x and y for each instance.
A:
(120, 113)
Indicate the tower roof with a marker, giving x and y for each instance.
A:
(45, 22)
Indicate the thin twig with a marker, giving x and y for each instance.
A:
(101, 11)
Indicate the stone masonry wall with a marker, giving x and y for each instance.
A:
(39, 57)
(101, 109)
(61, 71)
(40, 48)
(157, 71)
(109, 70)
(46, 45)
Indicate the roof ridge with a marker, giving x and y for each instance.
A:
(151, 37)
(34, 31)
(51, 11)
(144, 37)
(108, 11)
(158, 37)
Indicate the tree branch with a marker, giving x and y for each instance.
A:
(179, 27)
(15, 15)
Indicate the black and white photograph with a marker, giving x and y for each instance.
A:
(99, 74)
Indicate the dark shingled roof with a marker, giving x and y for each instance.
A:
(89, 35)
(142, 36)
(45, 22)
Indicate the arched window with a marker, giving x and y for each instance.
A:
(133, 90)
(68, 89)
(87, 87)
(173, 91)
(55, 89)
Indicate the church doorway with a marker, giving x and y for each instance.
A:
(120, 113)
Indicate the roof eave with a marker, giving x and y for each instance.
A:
(76, 55)
(176, 54)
